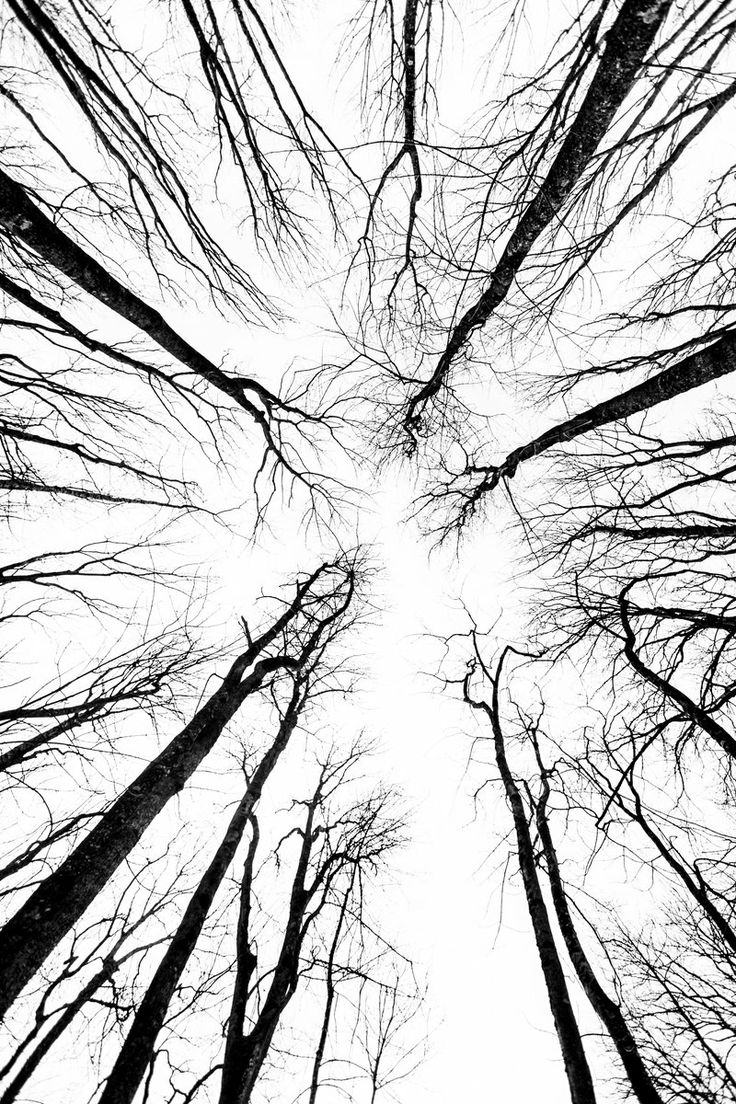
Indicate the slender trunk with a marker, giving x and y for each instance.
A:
(606, 1009)
(59, 901)
(718, 359)
(34, 1059)
(691, 709)
(571, 1044)
(138, 1049)
(329, 1001)
(245, 965)
(248, 1053)
(15, 755)
(139, 1046)
(696, 887)
(626, 46)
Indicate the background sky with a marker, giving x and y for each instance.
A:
(452, 901)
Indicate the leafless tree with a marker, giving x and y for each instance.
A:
(315, 613)
(610, 780)
(530, 307)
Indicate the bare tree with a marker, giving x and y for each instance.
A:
(323, 598)
(338, 848)
(215, 305)
(568, 1032)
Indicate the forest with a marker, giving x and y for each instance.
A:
(367, 578)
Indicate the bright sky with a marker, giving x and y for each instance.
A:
(451, 906)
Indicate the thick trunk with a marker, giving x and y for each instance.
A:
(607, 1010)
(59, 901)
(138, 1049)
(688, 531)
(626, 46)
(22, 219)
(139, 1046)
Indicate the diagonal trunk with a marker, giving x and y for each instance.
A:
(571, 1044)
(139, 1046)
(626, 46)
(696, 886)
(606, 1009)
(24, 220)
(22, 751)
(705, 366)
(32, 1062)
(61, 899)
(690, 709)
(138, 1049)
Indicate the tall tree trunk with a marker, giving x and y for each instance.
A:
(329, 1000)
(571, 1044)
(245, 1055)
(246, 961)
(705, 366)
(25, 221)
(606, 1009)
(59, 901)
(138, 1049)
(139, 1046)
(626, 46)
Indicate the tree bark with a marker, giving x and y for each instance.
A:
(626, 46)
(138, 1049)
(59, 901)
(571, 1044)
(606, 1009)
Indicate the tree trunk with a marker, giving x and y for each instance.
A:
(571, 1044)
(59, 901)
(607, 1010)
(139, 1046)
(329, 1001)
(718, 359)
(34, 1059)
(626, 46)
(22, 219)
(245, 1055)
(138, 1049)
(690, 709)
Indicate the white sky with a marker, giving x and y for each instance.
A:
(491, 1040)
